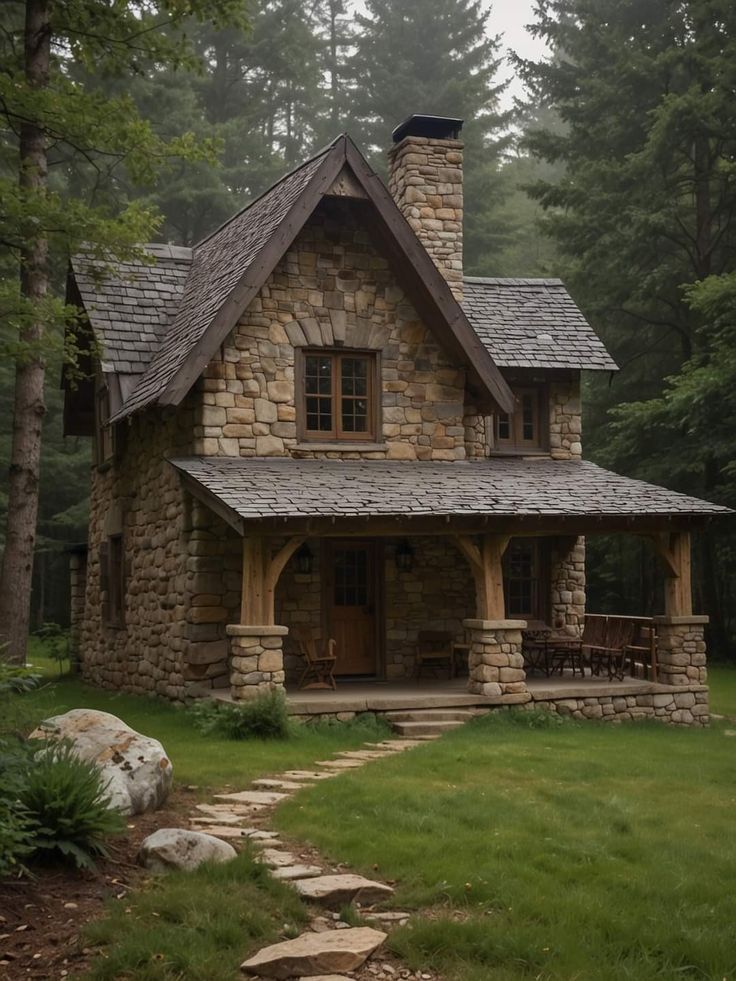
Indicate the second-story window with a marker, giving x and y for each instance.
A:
(521, 430)
(338, 396)
(104, 448)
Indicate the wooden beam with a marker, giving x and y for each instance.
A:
(274, 568)
(472, 553)
(673, 550)
(492, 549)
(252, 607)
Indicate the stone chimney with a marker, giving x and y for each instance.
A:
(426, 181)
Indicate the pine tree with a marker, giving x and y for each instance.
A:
(646, 206)
(437, 57)
(51, 120)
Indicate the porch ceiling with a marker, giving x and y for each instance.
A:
(387, 497)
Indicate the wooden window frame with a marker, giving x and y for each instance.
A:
(104, 436)
(540, 580)
(113, 580)
(336, 434)
(515, 441)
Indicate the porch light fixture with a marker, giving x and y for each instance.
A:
(404, 556)
(304, 560)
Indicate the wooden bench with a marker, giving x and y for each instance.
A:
(434, 649)
(613, 643)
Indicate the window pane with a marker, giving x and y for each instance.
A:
(354, 391)
(527, 417)
(504, 426)
(318, 393)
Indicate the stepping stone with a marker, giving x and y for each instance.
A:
(364, 754)
(341, 764)
(335, 891)
(289, 873)
(217, 809)
(255, 797)
(315, 953)
(330, 977)
(258, 835)
(307, 775)
(220, 819)
(269, 784)
(227, 831)
(275, 858)
(391, 918)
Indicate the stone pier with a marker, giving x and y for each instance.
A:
(256, 659)
(495, 662)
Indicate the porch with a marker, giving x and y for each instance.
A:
(324, 543)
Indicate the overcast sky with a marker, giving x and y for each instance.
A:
(509, 17)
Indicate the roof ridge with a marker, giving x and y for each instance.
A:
(295, 170)
(515, 280)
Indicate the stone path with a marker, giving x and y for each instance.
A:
(331, 950)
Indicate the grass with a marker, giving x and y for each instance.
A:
(565, 851)
(205, 761)
(722, 680)
(195, 925)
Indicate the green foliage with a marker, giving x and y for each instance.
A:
(56, 640)
(15, 711)
(17, 828)
(197, 925)
(66, 799)
(263, 717)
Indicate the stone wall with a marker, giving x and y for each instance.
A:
(567, 584)
(332, 288)
(678, 708)
(565, 420)
(256, 660)
(426, 181)
(140, 497)
(77, 593)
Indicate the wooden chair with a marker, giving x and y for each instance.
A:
(604, 644)
(434, 649)
(319, 663)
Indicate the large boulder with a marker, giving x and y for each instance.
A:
(136, 769)
(177, 848)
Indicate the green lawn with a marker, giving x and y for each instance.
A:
(571, 851)
(207, 761)
(529, 849)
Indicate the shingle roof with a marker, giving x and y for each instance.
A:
(218, 263)
(131, 308)
(533, 323)
(284, 488)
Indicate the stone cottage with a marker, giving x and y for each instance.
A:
(314, 418)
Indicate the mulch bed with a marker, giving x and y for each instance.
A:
(42, 917)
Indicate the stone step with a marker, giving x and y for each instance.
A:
(431, 715)
(425, 728)
(316, 953)
(336, 891)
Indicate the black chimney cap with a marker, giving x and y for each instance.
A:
(431, 127)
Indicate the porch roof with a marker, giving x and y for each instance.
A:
(538, 492)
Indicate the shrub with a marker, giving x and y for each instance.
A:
(66, 799)
(57, 642)
(263, 717)
(15, 717)
(17, 827)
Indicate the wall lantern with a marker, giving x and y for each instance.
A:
(304, 560)
(404, 556)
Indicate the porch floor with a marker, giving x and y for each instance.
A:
(387, 696)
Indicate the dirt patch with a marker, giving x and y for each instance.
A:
(42, 917)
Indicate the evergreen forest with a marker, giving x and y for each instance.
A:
(616, 172)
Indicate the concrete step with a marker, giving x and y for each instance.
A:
(415, 729)
(430, 715)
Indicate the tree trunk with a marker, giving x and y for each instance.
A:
(28, 407)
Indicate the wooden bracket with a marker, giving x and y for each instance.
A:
(486, 563)
(261, 574)
(673, 550)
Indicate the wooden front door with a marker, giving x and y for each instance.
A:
(351, 579)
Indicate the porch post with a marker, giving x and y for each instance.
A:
(681, 653)
(256, 643)
(495, 662)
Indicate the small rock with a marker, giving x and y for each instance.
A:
(176, 848)
(315, 953)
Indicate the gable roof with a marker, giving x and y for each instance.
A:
(284, 490)
(533, 323)
(131, 307)
(230, 266)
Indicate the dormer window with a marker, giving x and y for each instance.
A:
(522, 429)
(338, 396)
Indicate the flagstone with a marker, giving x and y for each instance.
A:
(289, 873)
(335, 891)
(315, 953)
(254, 797)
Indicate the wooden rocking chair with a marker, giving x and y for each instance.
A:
(319, 665)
